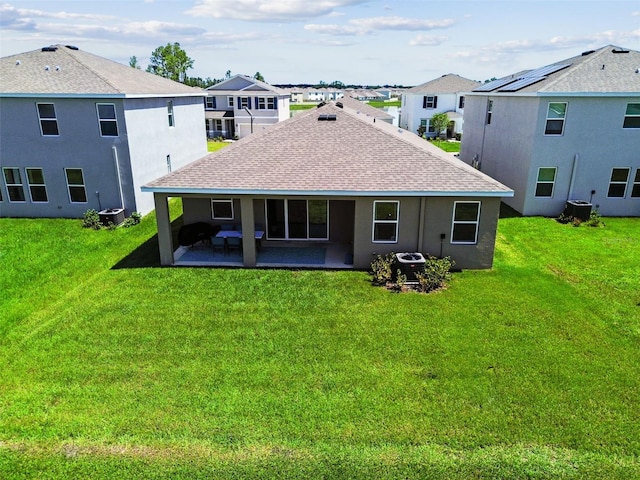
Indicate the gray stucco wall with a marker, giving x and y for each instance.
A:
(79, 145)
(513, 147)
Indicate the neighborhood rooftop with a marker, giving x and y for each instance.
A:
(330, 151)
(609, 69)
(61, 70)
(449, 83)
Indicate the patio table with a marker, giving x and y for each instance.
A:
(259, 235)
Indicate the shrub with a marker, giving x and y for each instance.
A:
(595, 220)
(436, 273)
(381, 269)
(91, 219)
(134, 219)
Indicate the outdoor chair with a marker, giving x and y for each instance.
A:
(234, 243)
(217, 243)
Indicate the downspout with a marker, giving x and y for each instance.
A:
(115, 160)
(576, 157)
(423, 207)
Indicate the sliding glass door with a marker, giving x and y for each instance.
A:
(297, 219)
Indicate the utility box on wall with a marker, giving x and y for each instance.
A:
(113, 216)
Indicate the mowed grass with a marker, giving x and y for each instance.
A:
(115, 368)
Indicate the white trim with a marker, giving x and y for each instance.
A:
(54, 119)
(548, 118)
(635, 181)
(43, 184)
(7, 185)
(286, 220)
(100, 120)
(553, 183)
(83, 185)
(101, 95)
(618, 182)
(455, 222)
(222, 200)
(386, 222)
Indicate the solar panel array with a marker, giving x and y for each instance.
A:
(513, 84)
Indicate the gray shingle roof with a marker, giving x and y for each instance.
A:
(449, 83)
(75, 72)
(245, 83)
(599, 71)
(352, 155)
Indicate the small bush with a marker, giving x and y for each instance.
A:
(134, 219)
(595, 220)
(91, 219)
(381, 269)
(437, 272)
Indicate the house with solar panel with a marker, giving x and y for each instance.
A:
(242, 105)
(445, 94)
(82, 132)
(329, 188)
(562, 136)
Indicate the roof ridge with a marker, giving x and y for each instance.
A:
(574, 66)
(97, 74)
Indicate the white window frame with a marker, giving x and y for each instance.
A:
(222, 200)
(635, 117)
(31, 186)
(555, 119)
(375, 222)
(170, 116)
(455, 222)
(14, 185)
(230, 101)
(46, 119)
(635, 186)
(262, 103)
(209, 103)
(618, 182)
(546, 182)
(107, 120)
(83, 185)
(272, 103)
(286, 220)
(245, 102)
(429, 103)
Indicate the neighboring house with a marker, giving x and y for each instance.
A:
(368, 110)
(82, 132)
(566, 131)
(332, 176)
(242, 105)
(297, 95)
(443, 95)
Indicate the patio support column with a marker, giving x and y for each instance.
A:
(248, 232)
(165, 241)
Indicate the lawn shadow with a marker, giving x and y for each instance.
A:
(147, 255)
(507, 212)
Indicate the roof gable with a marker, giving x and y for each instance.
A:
(65, 70)
(243, 83)
(344, 153)
(449, 83)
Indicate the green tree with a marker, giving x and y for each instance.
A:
(439, 122)
(258, 76)
(133, 62)
(170, 61)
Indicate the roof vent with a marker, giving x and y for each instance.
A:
(58, 68)
(46, 68)
(619, 50)
(321, 104)
(339, 105)
(18, 62)
(327, 118)
(588, 52)
(71, 47)
(52, 48)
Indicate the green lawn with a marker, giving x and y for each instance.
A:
(114, 368)
(214, 146)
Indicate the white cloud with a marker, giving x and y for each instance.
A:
(427, 41)
(363, 26)
(268, 10)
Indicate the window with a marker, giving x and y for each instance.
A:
(222, 209)
(37, 188)
(210, 103)
(430, 102)
(461, 102)
(632, 116)
(243, 102)
(48, 120)
(385, 221)
(293, 219)
(107, 119)
(635, 191)
(546, 181)
(426, 124)
(169, 163)
(13, 181)
(75, 185)
(555, 118)
(618, 182)
(272, 103)
(230, 101)
(489, 111)
(261, 103)
(170, 113)
(466, 218)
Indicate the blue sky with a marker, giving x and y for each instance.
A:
(306, 41)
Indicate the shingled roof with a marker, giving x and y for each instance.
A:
(330, 151)
(449, 83)
(609, 69)
(355, 104)
(61, 70)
